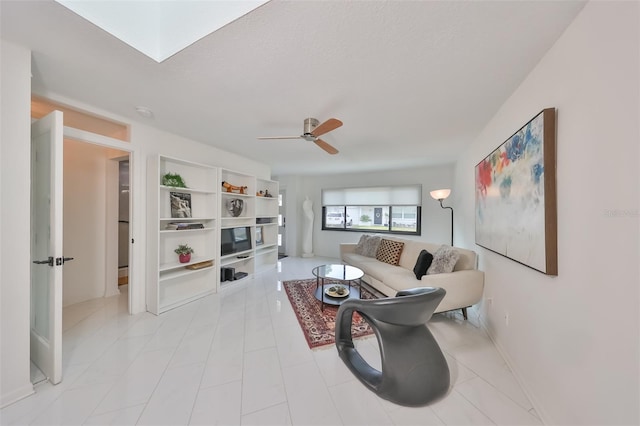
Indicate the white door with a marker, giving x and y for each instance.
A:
(282, 224)
(46, 245)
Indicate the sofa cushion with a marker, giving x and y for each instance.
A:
(360, 246)
(368, 245)
(422, 264)
(389, 251)
(444, 260)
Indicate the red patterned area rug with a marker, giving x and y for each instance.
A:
(317, 325)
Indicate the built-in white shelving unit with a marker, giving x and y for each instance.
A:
(171, 283)
(218, 213)
(266, 224)
(259, 215)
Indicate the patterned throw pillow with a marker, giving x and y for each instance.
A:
(389, 251)
(444, 260)
(422, 264)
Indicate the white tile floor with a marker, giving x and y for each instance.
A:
(240, 358)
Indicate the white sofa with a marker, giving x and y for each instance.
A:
(464, 285)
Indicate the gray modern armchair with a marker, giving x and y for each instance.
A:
(414, 369)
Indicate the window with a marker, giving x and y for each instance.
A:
(395, 209)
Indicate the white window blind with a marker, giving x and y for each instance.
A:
(405, 195)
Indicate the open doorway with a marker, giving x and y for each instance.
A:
(92, 199)
(93, 150)
(123, 221)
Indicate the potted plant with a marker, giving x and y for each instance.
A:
(174, 180)
(184, 253)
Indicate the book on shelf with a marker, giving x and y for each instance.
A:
(181, 226)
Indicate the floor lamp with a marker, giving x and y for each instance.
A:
(441, 194)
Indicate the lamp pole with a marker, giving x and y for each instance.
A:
(450, 208)
(440, 195)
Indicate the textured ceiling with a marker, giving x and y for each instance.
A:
(413, 81)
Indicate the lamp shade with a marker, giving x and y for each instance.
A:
(440, 194)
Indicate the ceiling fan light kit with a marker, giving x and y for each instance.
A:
(312, 129)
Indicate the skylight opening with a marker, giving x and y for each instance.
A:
(159, 28)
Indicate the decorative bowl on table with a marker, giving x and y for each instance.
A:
(336, 291)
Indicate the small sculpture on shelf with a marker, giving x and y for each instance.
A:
(231, 188)
(184, 253)
(264, 193)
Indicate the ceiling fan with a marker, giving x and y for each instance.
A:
(313, 129)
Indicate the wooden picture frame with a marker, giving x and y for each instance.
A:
(516, 207)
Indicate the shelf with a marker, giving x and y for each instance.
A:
(186, 219)
(235, 194)
(178, 273)
(247, 253)
(194, 259)
(180, 231)
(233, 258)
(236, 222)
(266, 249)
(191, 190)
(231, 283)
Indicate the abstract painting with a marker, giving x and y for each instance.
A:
(516, 196)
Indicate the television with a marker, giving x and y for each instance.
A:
(235, 240)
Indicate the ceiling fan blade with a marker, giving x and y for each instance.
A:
(279, 137)
(327, 126)
(322, 144)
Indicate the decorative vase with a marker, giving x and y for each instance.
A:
(235, 207)
(185, 258)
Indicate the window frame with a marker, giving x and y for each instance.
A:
(389, 230)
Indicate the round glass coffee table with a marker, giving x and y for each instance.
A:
(331, 280)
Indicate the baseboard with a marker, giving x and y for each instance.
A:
(16, 395)
(516, 374)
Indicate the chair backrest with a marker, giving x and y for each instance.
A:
(409, 307)
(414, 371)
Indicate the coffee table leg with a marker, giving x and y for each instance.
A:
(322, 295)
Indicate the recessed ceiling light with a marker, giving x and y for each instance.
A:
(144, 111)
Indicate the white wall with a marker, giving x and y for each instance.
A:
(15, 253)
(436, 222)
(572, 340)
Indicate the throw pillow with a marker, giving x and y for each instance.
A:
(360, 247)
(444, 260)
(371, 246)
(422, 264)
(389, 251)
